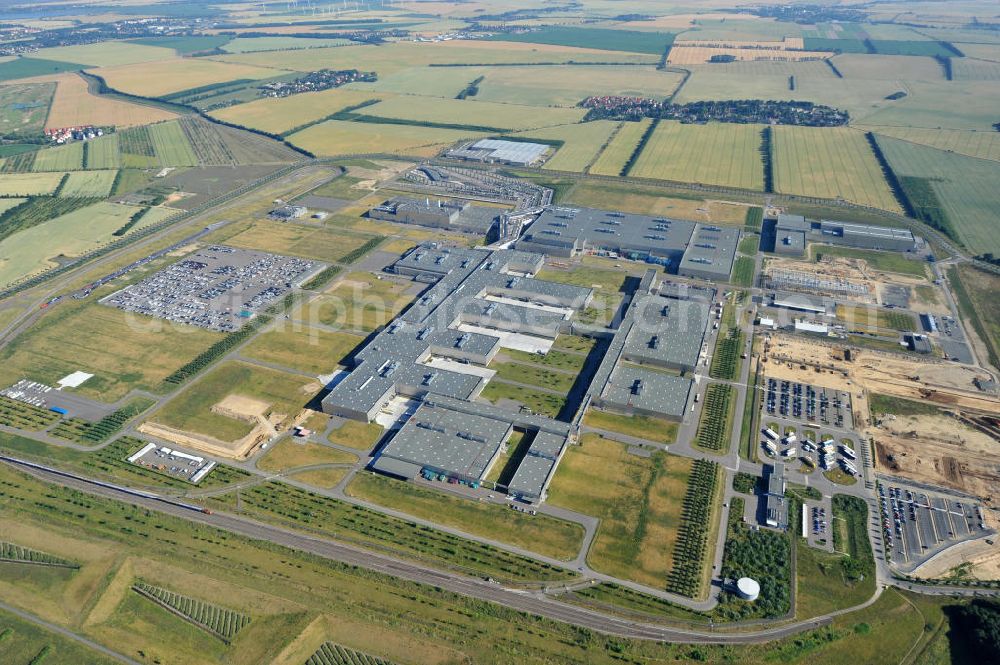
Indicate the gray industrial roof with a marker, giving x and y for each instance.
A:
(464, 277)
(566, 227)
(776, 479)
(666, 331)
(519, 152)
(711, 251)
(449, 440)
(648, 390)
(535, 470)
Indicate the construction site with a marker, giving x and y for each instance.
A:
(945, 431)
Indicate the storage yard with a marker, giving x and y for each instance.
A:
(218, 288)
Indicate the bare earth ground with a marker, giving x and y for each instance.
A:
(940, 450)
(934, 449)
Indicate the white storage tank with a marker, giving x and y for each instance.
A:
(747, 588)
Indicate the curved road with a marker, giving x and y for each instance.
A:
(415, 572)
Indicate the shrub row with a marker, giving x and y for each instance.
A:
(223, 623)
(714, 423)
(692, 537)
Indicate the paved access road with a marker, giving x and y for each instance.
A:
(529, 602)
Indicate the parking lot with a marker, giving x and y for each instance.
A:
(172, 462)
(809, 404)
(917, 524)
(218, 287)
(818, 521)
(59, 401)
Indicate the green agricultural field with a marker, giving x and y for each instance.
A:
(970, 142)
(94, 184)
(247, 45)
(105, 54)
(830, 163)
(596, 38)
(38, 248)
(955, 105)
(61, 158)
(185, 45)
(884, 261)
(614, 157)
(20, 68)
(123, 351)
(638, 500)
(171, 145)
(545, 535)
(713, 154)
(857, 66)
(580, 143)
(970, 69)
(965, 189)
(102, 153)
(335, 137)
(309, 350)
(444, 82)
(24, 108)
(568, 85)
(191, 410)
(976, 292)
(462, 113)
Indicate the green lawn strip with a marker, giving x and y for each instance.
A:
(743, 271)
(609, 596)
(879, 405)
(505, 467)
(545, 535)
(306, 511)
(643, 427)
(534, 375)
(554, 359)
(539, 402)
(893, 262)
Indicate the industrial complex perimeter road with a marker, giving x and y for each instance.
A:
(524, 601)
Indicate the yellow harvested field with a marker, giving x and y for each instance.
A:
(280, 115)
(831, 163)
(480, 114)
(697, 55)
(712, 154)
(390, 58)
(339, 137)
(567, 85)
(106, 54)
(174, 74)
(620, 148)
(581, 143)
(971, 142)
(74, 105)
(29, 184)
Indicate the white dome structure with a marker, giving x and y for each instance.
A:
(747, 588)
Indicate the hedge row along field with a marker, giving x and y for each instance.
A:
(219, 621)
(728, 346)
(692, 537)
(334, 654)
(301, 509)
(24, 416)
(714, 423)
(216, 351)
(15, 553)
